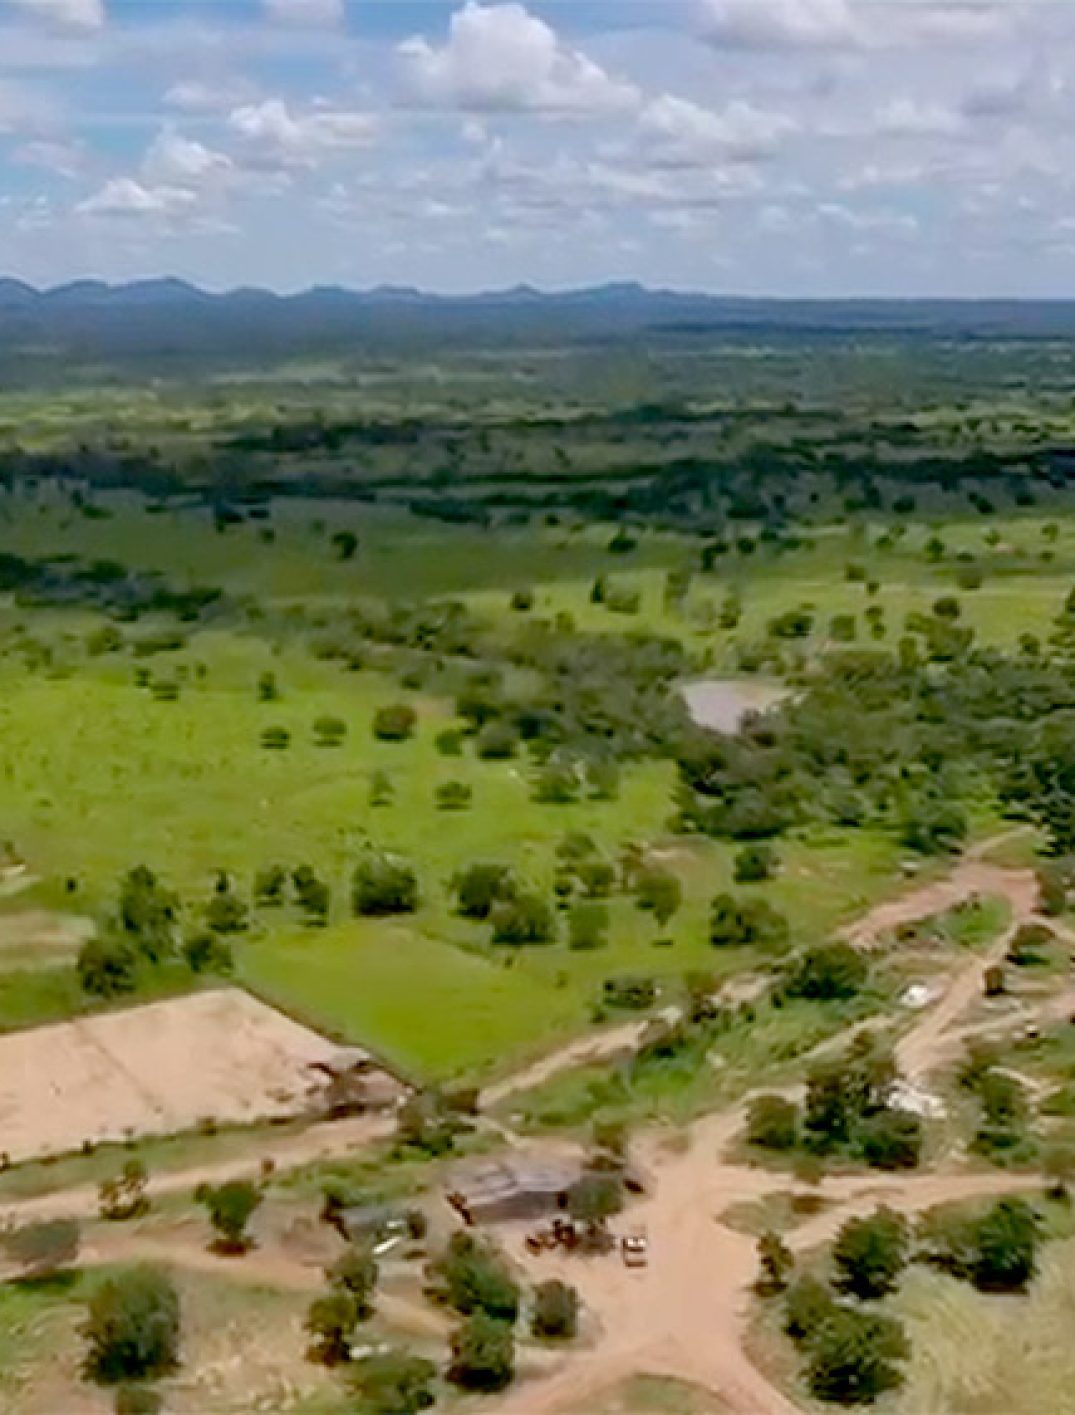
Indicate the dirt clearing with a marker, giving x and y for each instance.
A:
(153, 1070)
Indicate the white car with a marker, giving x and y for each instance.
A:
(634, 1249)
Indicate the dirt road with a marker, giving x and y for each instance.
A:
(686, 1314)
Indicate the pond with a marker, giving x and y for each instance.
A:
(722, 704)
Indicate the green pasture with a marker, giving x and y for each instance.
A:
(98, 775)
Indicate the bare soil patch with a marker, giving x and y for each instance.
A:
(157, 1069)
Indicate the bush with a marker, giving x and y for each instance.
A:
(522, 601)
(479, 886)
(526, 918)
(329, 731)
(776, 1263)
(755, 863)
(497, 741)
(132, 1327)
(751, 921)
(230, 1207)
(107, 966)
(660, 892)
(483, 1354)
(588, 925)
(125, 1196)
(773, 1123)
(449, 742)
(453, 796)
(556, 1311)
(634, 993)
(472, 1277)
(595, 1198)
(204, 952)
(832, 972)
(383, 885)
(331, 1321)
(41, 1249)
(871, 1253)
(395, 722)
(275, 738)
(853, 1356)
(1005, 1246)
(393, 1383)
(807, 1304)
(891, 1139)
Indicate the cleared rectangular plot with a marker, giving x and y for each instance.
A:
(154, 1070)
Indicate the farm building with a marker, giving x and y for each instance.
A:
(512, 1188)
(367, 1223)
(351, 1082)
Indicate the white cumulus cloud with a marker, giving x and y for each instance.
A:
(125, 196)
(502, 58)
(275, 136)
(175, 160)
(682, 133)
(779, 24)
(64, 14)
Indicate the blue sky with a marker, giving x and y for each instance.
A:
(752, 146)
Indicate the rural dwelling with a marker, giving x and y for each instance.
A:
(512, 1188)
(351, 1082)
(367, 1223)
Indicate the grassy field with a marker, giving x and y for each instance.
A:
(99, 775)
(84, 756)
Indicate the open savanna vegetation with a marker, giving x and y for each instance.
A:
(662, 761)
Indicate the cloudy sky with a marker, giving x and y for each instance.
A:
(750, 146)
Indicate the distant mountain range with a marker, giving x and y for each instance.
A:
(165, 320)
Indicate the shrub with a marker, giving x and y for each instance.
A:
(595, 1198)
(107, 966)
(230, 1207)
(449, 742)
(453, 796)
(891, 1139)
(522, 601)
(329, 731)
(773, 1123)
(634, 993)
(497, 741)
(275, 738)
(1004, 1246)
(331, 1321)
(472, 1277)
(870, 1253)
(659, 891)
(556, 1311)
(526, 918)
(132, 1327)
(588, 926)
(776, 1263)
(393, 1383)
(755, 863)
(479, 886)
(204, 952)
(853, 1357)
(828, 973)
(395, 722)
(807, 1304)
(43, 1248)
(383, 885)
(125, 1196)
(483, 1354)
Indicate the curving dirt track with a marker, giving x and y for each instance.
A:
(686, 1314)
